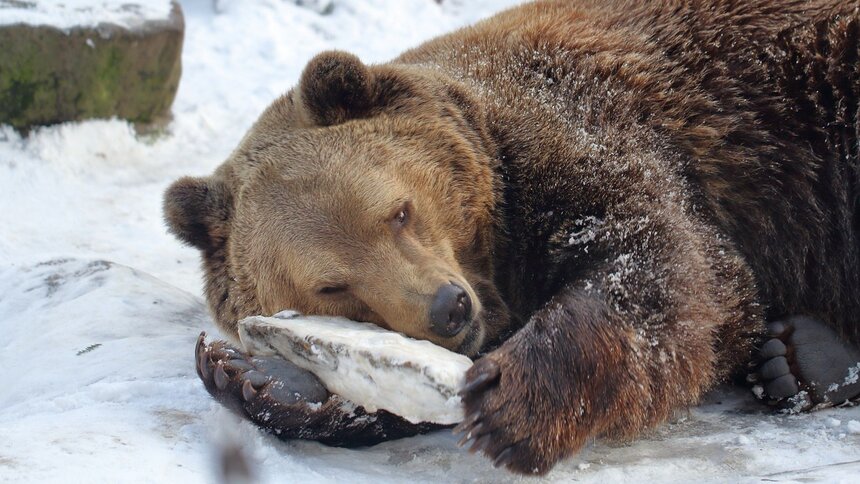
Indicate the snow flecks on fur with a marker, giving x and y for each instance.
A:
(850, 379)
(586, 230)
(132, 409)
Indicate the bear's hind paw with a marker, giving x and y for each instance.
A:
(272, 392)
(291, 402)
(805, 365)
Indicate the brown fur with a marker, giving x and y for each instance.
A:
(627, 187)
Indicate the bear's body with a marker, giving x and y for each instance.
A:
(626, 191)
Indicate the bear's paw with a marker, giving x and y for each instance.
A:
(805, 365)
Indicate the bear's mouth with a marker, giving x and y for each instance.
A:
(474, 337)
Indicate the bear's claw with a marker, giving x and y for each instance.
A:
(504, 458)
(248, 391)
(805, 365)
(493, 425)
(289, 401)
(475, 434)
(483, 374)
(488, 374)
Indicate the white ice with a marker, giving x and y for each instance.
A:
(365, 364)
(132, 409)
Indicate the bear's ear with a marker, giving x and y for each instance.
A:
(198, 210)
(335, 87)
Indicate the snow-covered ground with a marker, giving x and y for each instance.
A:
(97, 380)
(67, 14)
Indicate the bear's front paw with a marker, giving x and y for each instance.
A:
(502, 408)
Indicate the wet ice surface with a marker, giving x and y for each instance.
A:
(366, 364)
(98, 384)
(98, 381)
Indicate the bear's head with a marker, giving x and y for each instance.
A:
(366, 192)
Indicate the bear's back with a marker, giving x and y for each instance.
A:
(758, 99)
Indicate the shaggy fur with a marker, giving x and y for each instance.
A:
(628, 189)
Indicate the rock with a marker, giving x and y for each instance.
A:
(322, 7)
(363, 363)
(79, 59)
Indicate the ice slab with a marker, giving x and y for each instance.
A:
(366, 364)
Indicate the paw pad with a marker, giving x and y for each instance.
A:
(805, 364)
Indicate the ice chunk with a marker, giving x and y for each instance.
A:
(832, 422)
(366, 364)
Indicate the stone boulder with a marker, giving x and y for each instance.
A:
(79, 59)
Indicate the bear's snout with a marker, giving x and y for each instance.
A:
(450, 310)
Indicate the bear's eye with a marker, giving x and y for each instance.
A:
(333, 289)
(401, 216)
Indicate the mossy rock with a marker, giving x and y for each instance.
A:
(50, 75)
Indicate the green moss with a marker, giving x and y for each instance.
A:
(101, 97)
(17, 90)
(49, 76)
(18, 97)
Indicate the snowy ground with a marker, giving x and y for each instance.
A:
(98, 382)
(82, 13)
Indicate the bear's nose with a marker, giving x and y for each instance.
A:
(450, 311)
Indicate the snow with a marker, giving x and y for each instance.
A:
(365, 364)
(67, 14)
(132, 409)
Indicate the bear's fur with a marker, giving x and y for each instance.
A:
(627, 189)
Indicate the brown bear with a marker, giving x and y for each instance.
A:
(610, 205)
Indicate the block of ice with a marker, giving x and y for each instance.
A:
(366, 364)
